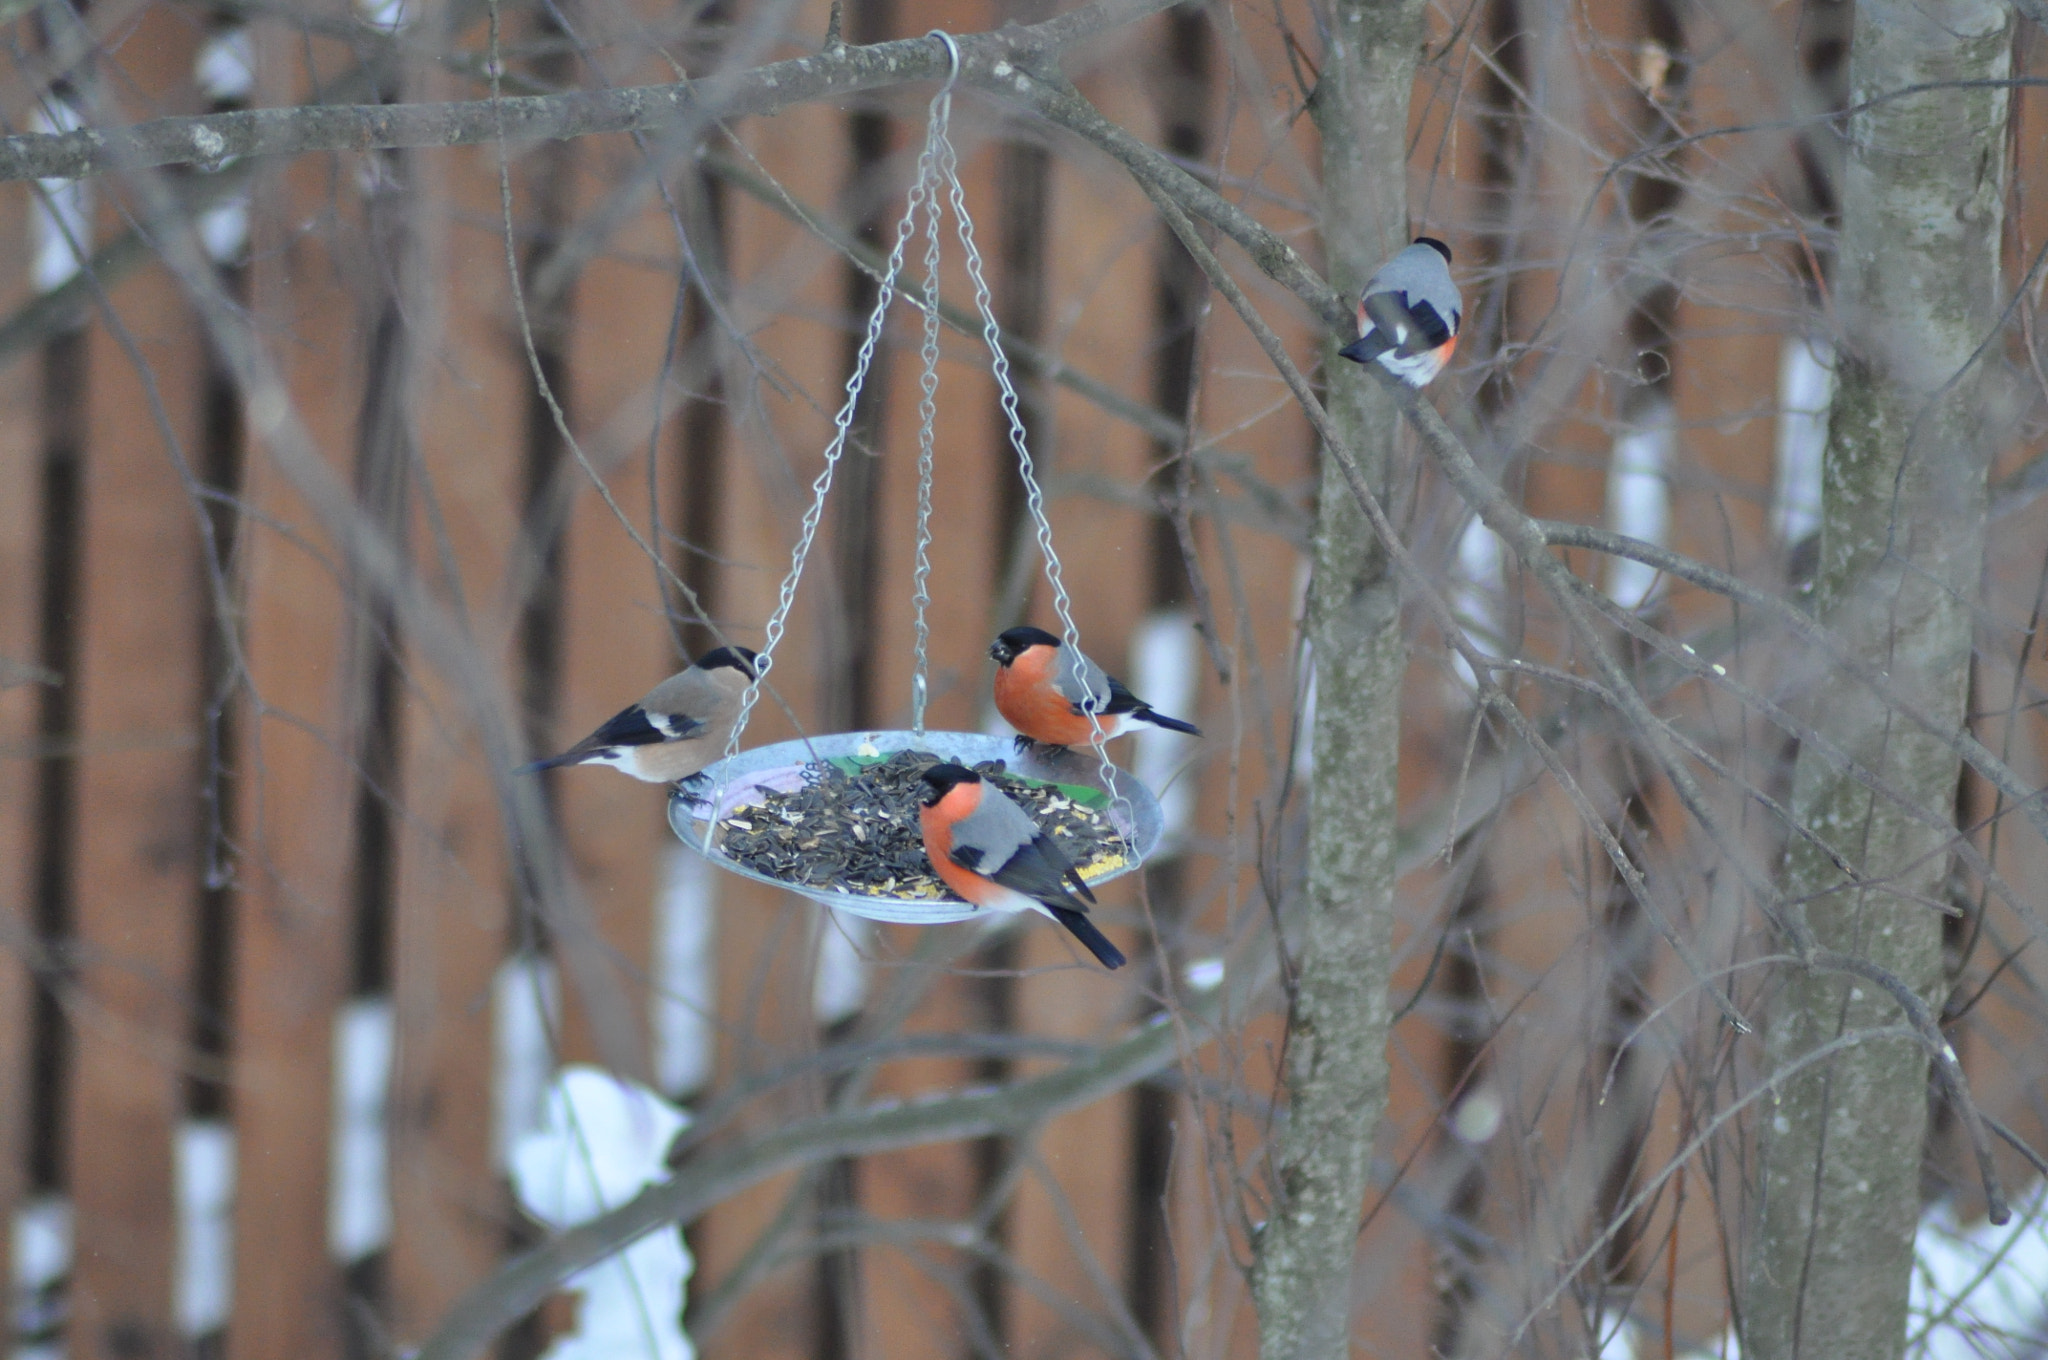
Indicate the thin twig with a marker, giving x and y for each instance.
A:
(213, 139)
(883, 1127)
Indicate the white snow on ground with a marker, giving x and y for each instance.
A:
(60, 222)
(601, 1141)
(1476, 599)
(685, 973)
(225, 68)
(525, 1006)
(41, 1252)
(1166, 672)
(358, 1148)
(1806, 389)
(839, 989)
(1979, 1292)
(204, 1158)
(1639, 502)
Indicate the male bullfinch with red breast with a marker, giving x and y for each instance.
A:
(989, 851)
(1408, 314)
(1053, 694)
(679, 727)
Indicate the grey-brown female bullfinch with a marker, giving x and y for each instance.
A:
(987, 849)
(1408, 314)
(1053, 694)
(679, 727)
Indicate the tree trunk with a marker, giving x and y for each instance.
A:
(1902, 545)
(1337, 1035)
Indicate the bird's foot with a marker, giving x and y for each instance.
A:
(694, 789)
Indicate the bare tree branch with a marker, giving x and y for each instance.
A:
(212, 140)
(525, 1281)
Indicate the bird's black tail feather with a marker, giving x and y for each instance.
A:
(1084, 930)
(1367, 347)
(1158, 719)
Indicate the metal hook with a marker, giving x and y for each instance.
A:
(952, 52)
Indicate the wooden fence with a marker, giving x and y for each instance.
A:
(279, 925)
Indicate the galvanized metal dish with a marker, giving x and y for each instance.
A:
(747, 776)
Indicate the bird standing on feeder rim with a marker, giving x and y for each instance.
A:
(987, 849)
(1054, 695)
(1408, 314)
(681, 725)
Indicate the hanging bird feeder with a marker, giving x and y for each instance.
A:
(835, 817)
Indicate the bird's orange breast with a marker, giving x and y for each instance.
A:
(936, 822)
(1031, 703)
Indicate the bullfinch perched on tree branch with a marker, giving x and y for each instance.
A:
(1053, 694)
(987, 849)
(1408, 314)
(681, 725)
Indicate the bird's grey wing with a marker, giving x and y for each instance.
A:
(1000, 839)
(987, 837)
(1388, 309)
(1083, 684)
(1424, 291)
(1414, 327)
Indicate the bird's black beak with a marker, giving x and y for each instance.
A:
(998, 653)
(1354, 353)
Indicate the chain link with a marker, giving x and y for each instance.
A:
(921, 192)
(1034, 494)
(928, 406)
(937, 170)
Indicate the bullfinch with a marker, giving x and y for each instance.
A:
(678, 728)
(1053, 694)
(1408, 314)
(987, 849)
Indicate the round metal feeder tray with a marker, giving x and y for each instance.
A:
(779, 768)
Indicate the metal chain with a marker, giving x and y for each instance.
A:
(937, 167)
(999, 364)
(842, 426)
(928, 382)
(1034, 495)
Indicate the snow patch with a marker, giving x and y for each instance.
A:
(60, 226)
(1166, 661)
(1639, 502)
(1806, 390)
(839, 987)
(525, 1003)
(600, 1141)
(225, 68)
(685, 1019)
(358, 1185)
(204, 1167)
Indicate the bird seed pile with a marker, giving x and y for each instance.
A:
(852, 826)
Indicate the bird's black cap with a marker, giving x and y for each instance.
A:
(1438, 246)
(741, 659)
(942, 778)
(1017, 641)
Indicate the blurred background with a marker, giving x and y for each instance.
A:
(287, 956)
